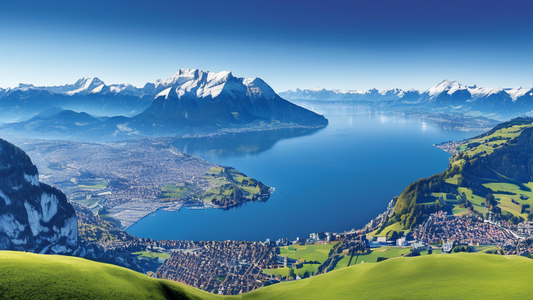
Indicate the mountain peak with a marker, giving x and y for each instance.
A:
(25, 86)
(188, 75)
(446, 86)
(201, 84)
(85, 81)
(85, 85)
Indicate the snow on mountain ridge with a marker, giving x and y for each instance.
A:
(85, 84)
(164, 93)
(202, 84)
(479, 92)
(25, 87)
(446, 86)
(117, 88)
(516, 93)
(98, 89)
(257, 88)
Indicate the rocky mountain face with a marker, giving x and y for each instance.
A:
(33, 216)
(196, 98)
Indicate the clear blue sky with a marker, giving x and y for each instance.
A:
(351, 44)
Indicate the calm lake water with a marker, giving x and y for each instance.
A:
(333, 179)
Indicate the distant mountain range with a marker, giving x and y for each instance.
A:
(87, 94)
(449, 95)
(190, 102)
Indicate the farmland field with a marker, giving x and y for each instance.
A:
(284, 272)
(387, 252)
(307, 252)
(93, 184)
(151, 255)
(174, 191)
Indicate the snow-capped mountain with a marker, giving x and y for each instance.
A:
(201, 84)
(347, 95)
(446, 94)
(193, 96)
(444, 89)
(190, 101)
(87, 94)
(84, 86)
(450, 93)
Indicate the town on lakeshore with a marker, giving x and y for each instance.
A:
(234, 267)
(456, 220)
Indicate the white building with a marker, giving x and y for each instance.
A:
(401, 242)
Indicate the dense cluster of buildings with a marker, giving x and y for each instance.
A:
(441, 227)
(472, 230)
(227, 268)
(136, 170)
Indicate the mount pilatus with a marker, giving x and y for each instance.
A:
(447, 95)
(190, 102)
(33, 216)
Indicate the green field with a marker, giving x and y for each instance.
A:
(485, 248)
(474, 199)
(34, 276)
(87, 202)
(228, 182)
(93, 184)
(456, 276)
(505, 201)
(509, 132)
(151, 255)
(307, 252)
(458, 211)
(174, 191)
(452, 180)
(284, 272)
(385, 251)
(343, 263)
(396, 227)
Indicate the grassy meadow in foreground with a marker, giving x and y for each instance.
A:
(454, 276)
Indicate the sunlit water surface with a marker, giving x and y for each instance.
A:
(333, 179)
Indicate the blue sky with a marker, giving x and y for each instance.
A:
(333, 44)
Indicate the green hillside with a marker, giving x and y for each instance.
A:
(34, 276)
(441, 276)
(454, 276)
(491, 172)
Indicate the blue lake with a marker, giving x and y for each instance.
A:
(333, 179)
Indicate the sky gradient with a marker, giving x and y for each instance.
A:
(289, 44)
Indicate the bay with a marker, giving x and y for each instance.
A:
(333, 179)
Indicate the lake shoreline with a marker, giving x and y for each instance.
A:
(332, 179)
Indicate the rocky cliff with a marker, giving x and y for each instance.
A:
(33, 216)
